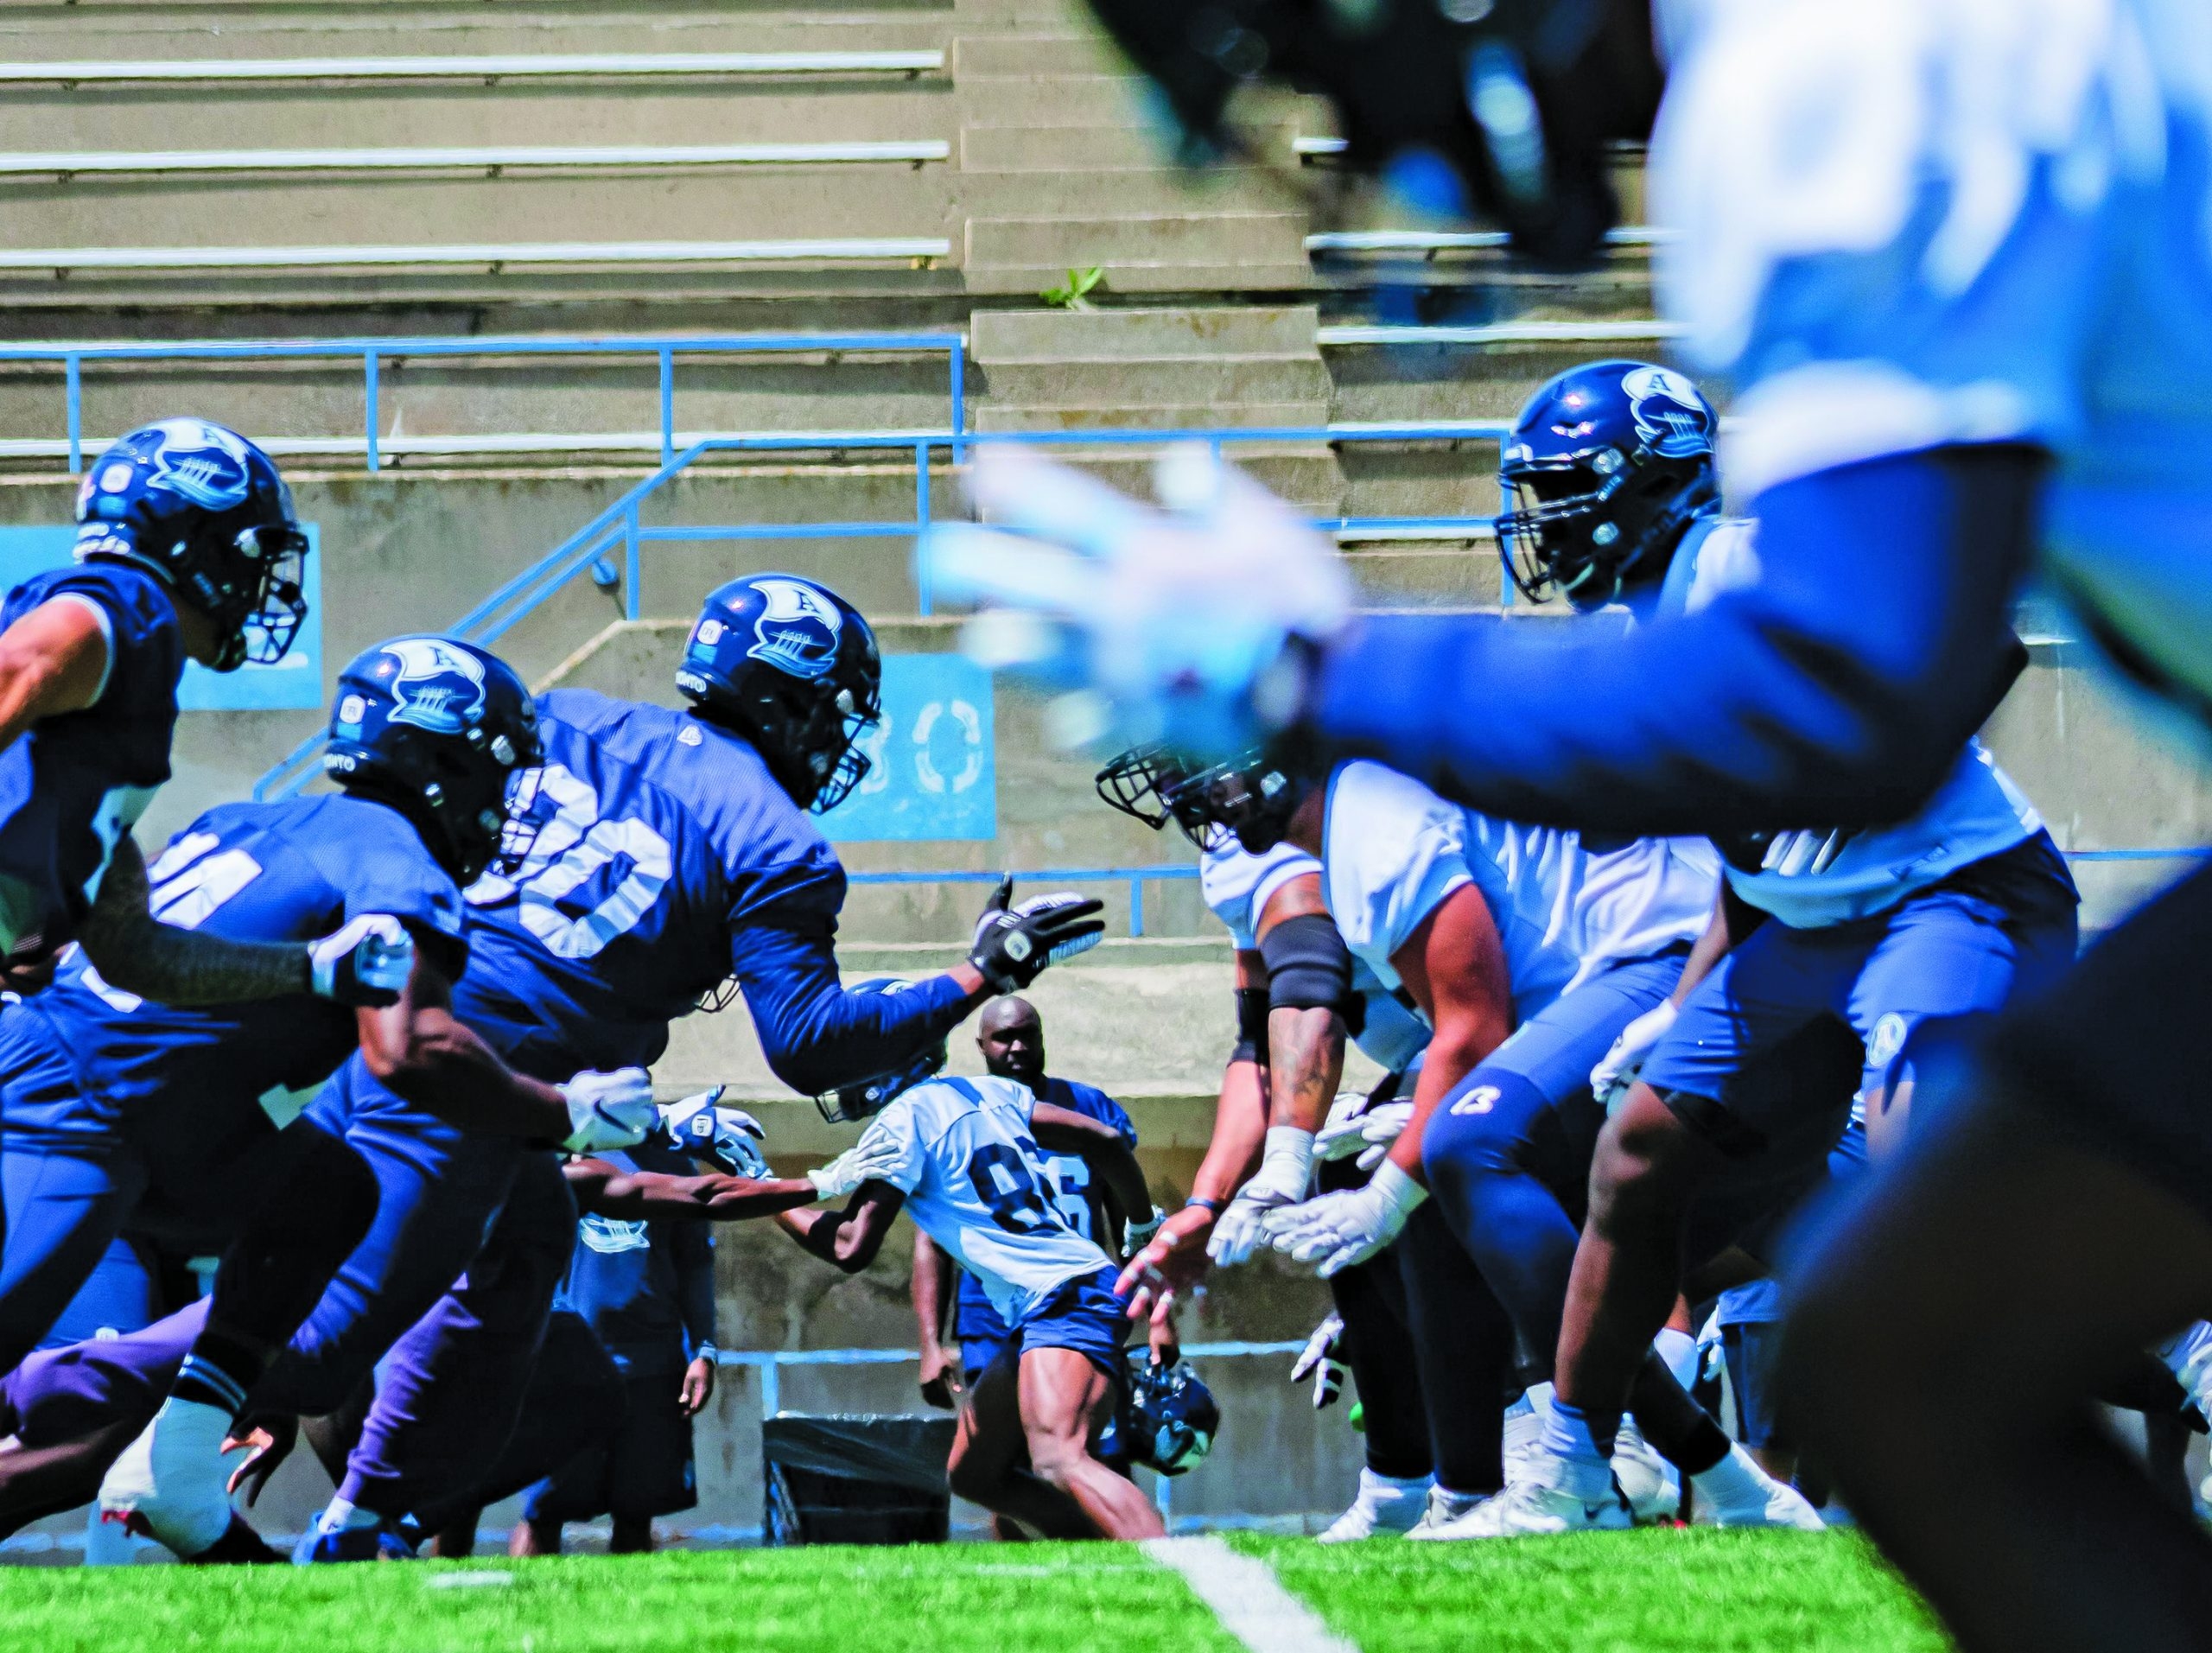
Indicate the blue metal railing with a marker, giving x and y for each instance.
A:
(375, 354)
(620, 524)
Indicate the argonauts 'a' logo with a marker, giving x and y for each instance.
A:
(438, 687)
(798, 628)
(1672, 419)
(200, 463)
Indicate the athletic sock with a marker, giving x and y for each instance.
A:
(1679, 1350)
(1584, 1462)
(219, 1369)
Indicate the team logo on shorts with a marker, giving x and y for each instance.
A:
(205, 464)
(798, 628)
(1886, 1041)
(1671, 418)
(438, 687)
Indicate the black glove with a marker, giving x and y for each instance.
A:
(1014, 945)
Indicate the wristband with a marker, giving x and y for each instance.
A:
(1211, 1207)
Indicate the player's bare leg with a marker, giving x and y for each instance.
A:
(1627, 1275)
(1064, 1401)
(1950, 1325)
(988, 1463)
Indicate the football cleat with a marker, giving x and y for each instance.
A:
(1737, 1492)
(1447, 1509)
(1652, 1486)
(169, 1484)
(1385, 1506)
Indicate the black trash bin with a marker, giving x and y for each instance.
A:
(855, 1479)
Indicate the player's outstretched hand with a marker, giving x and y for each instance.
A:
(1166, 1266)
(366, 962)
(1318, 1362)
(1014, 943)
(1336, 1231)
(1611, 1079)
(866, 1161)
(1195, 625)
(1285, 1170)
(609, 1109)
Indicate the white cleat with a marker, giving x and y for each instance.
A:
(1446, 1510)
(1385, 1508)
(1652, 1486)
(1737, 1492)
(170, 1482)
(1537, 1506)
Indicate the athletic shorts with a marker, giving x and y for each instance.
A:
(2003, 926)
(1084, 1315)
(644, 1470)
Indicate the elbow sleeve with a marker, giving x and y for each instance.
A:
(1309, 966)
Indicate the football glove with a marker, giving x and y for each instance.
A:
(730, 1137)
(1013, 945)
(1611, 1079)
(1319, 1362)
(609, 1109)
(865, 1161)
(1336, 1231)
(1196, 625)
(366, 962)
(1285, 1169)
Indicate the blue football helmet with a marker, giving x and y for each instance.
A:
(444, 732)
(793, 668)
(1169, 1418)
(205, 510)
(727, 1138)
(850, 1104)
(1607, 468)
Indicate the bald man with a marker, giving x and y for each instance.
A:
(1011, 1035)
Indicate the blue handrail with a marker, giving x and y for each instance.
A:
(374, 353)
(524, 592)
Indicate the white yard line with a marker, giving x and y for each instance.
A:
(1246, 1597)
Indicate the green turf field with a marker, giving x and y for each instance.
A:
(1635, 1593)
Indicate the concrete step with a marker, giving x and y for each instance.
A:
(1193, 251)
(799, 202)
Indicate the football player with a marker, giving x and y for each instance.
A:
(965, 1157)
(670, 852)
(1896, 932)
(1011, 1036)
(1963, 313)
(119, 1110)
(187, 547)
(1299, 991)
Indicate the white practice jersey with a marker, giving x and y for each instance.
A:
(1810, 879)
(1237, 886)
(1899, 224)
(1392, 851)
(976, 1183)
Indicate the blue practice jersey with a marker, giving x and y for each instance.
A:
(72, 786)
(287, 871)
(647, 1289)
(667, 858)
(1068, 1174)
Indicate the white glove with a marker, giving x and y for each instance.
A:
(1285, 1170)
(1611, 1079)
(366, 962)
(609, 1109)
(1338, 1230)
(1338, 1137)
(1319, 1362)
(1176, 625)
(1137, 1235)
(865, 1161)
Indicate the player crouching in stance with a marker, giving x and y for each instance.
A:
(966, 1158)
